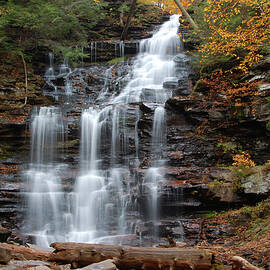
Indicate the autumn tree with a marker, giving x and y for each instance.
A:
(236, 28)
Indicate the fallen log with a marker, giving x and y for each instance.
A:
(126, 257)
(25, 253)
(240, 263)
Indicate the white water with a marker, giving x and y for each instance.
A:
(155, 174)
(153, 65)
(122, 48)
(49, 74)
(46, 194)
(61, 71)
(105, 188)
(159, 132)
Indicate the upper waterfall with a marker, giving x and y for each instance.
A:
(153, 65)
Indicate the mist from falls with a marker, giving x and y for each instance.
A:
(103, 201)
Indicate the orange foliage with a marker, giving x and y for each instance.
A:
(237, 28)
(243, 160)
(236, 94)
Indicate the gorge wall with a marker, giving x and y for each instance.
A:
(191, 157)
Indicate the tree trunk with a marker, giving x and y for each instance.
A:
(131, 12)
(188, 17)
(126, 257)
(25, 77)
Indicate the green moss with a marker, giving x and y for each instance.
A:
(201, 86)
(211, 214)
(216, 64)
(116, 60)
(216, 184)
(229, 147)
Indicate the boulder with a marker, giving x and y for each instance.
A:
(104, 265)
(258, 183)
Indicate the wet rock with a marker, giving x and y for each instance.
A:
(4, 234)
(201, 87)
(264, 89)
(181, 59)
(177, 104)
(144, 108)
(256, 78)
(9, 267)
(171, 83)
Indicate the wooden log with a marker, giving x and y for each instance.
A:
(126, 257)
(25, 253)
(240, 263)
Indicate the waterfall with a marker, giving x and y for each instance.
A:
(64, 68)
(106, 87)
(103, 201)
(155, 174)
(46, 194)
(159, 132)
(153, 66)
(68, 87)
(122, 48)
(64, 71)
(49, 74)
(93, 51)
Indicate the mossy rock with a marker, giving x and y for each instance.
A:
(218, 64)
(201, 87)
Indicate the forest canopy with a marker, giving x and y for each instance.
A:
(227, 28)
(26, 25)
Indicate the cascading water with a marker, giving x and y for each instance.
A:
(159, 132)
(46, 193)
(153, 66)
(50, 71)
(122, 48)
(90, 192)
(64, 71)
(155, 174)
(104, 198)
